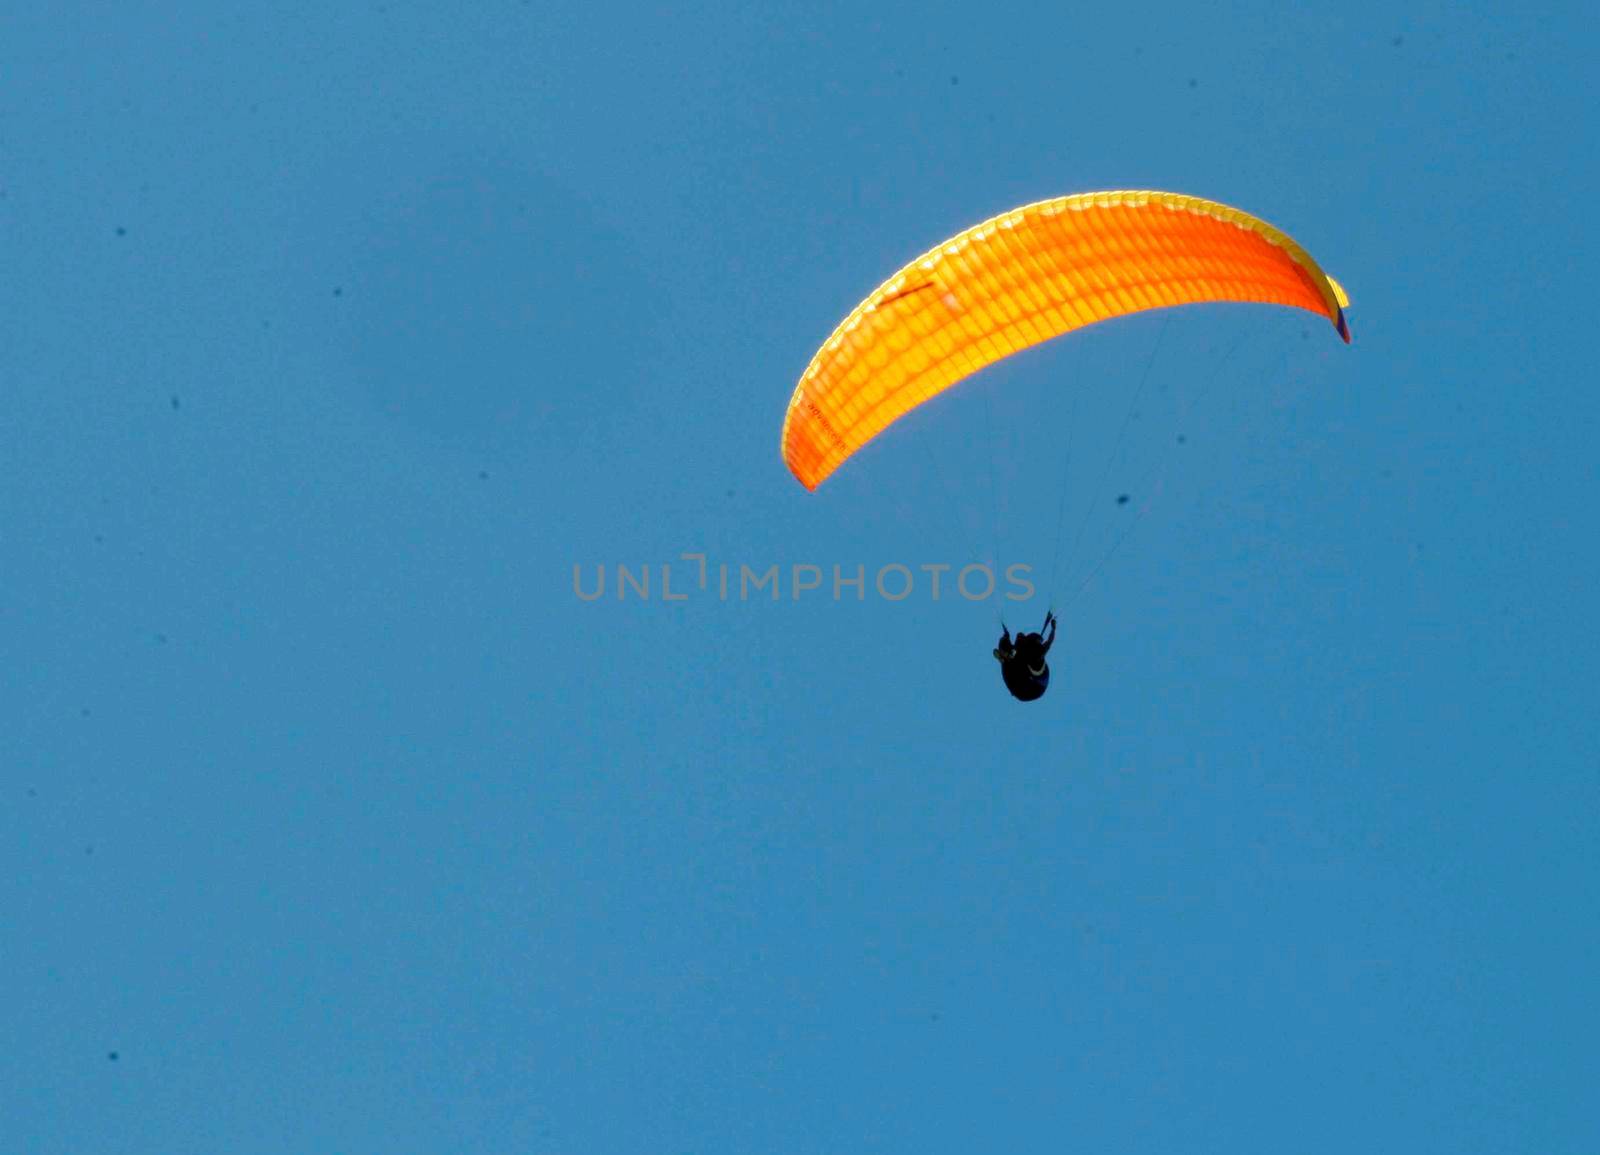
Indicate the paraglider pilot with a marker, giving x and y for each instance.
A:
(1022, 663)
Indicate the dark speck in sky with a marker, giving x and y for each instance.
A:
(955, 80)
(1193, 83)
(175, 401)
(1182, 440)
(338, 290)
(121, 232)
(483, 475)
(113, 1056)
(1122, 499)
(1398, 41)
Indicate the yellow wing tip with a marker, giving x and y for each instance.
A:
(1343, 298)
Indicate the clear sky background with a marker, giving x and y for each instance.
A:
(333, 336)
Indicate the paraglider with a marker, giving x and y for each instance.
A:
(1020, 279)
(1022, 665)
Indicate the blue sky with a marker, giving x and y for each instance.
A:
(336, 336)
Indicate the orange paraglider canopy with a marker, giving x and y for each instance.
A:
(1022, 278)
